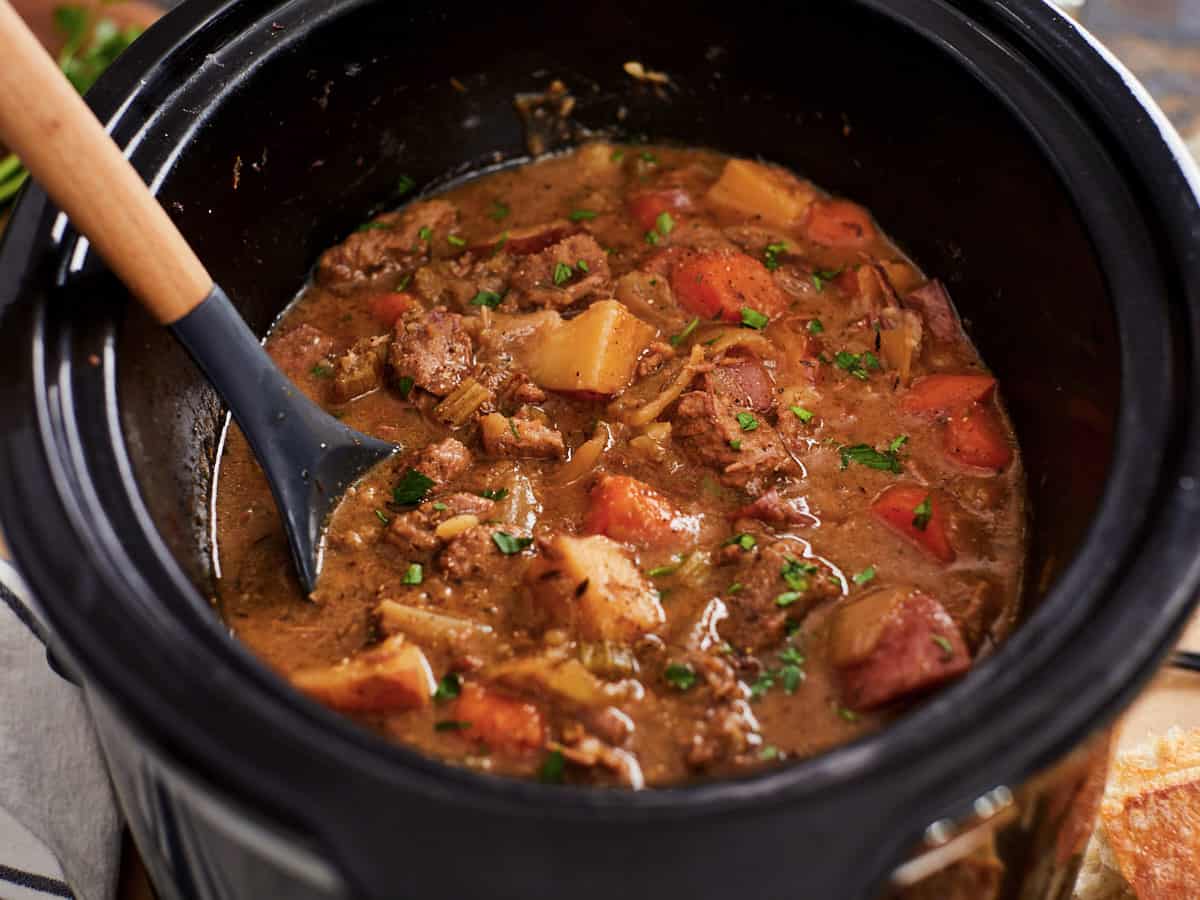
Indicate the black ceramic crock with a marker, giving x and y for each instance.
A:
(1006, 152)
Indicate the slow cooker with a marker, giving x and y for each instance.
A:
(1005, 150)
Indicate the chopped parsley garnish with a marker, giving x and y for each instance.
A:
(455, 241)
(512, 426)
(440, 506)
(382, 516)
(815, 326)
(747, 421)
(791, 676)
(752, 318)
(864, 576)
(792, 657)
(897, 443)
(490, 299)
(425, 232)
(500, 211)
(848, 714)
(734, 588)
(412, 488)
(922, 513)
(802, 414)
(859, 365)
(866, 455)
(448, 688)
(769, 753)
(508, 545)
(743, 540)
(771, 255)
(582, 266)
(320, 371)
(680, 676)
(562, 273)
(647, 156)
(500, 243)
(582, 215)
(736, 445)
(617, 156)
(761, 685)
(947, 647)
(664, 223)
(821, 277)
(796, 573)
(414, 574)
(403, 282)
(451, 725)
(497, 494)
(787, 598)
(652, 238)
(374, 226)
(669, 569)
(404, 185)
(404, 384)
(677, 339)
(553, 767)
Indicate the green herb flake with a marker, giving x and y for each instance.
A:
(802, 414)
(553, 768)
(455, 241)
(680, 676)
(490, 299)
(448, 688)
(647, 156)
(856, 364)
(414, 574)
(736, 445)
(404, 185)
(403, 282)
(562, 273)
(582, 215)
(821, 277)
(512, 426)
(582, 266)
(440, 506)
(743, 540)
(815, 326)
(382, 516)
(752, 318)
(374, 226)
(617, 156)
(734, 588)
(796, 572)
(861, 578)
(652, 238)
(747, 421)
(791, 677)
(508, 544)
(866, 455)
(496, 494)
(412, 488)
(787, 598)
(792, 657)
(769, 753)
(668, 569)
(897, 443)
(922, 513)
(425, 233)
(451, 725)
(761, 685)
(677, 339)
(944, 644)
(664, 223)
(499, 211)
(320, 371)
(771, 255)
(404, 384)
(848, 714)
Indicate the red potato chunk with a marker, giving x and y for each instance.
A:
(391, 676)
(744, 381)
(975, 437)
(502, 723)
(933, 303)
(632, 512)
(590, 585)
(947, 394)
(839, 223)
(387, 308)
(719, 284)
(916, 513)
(645, 208)
(894, 642)
(524, 241)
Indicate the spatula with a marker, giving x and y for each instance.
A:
(309, 457)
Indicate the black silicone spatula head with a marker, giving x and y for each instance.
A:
(309, 457)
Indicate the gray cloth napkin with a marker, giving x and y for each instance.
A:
(56, 802)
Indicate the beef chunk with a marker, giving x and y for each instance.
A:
(457, 282)
(390, 246)
(475, 553)
(444, 461)
(774, 508)
(933, 303)
(359, 370)
(893, 642)
(778, 584)
(520, 436)
(743, 381)
(414, 530)
(298, 350)
(532, 239)
(707, 428)
(581, 267)
(434, 350)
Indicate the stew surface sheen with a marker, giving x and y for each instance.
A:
(699, 474)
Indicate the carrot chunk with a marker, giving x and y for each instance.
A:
(917, 514)
(648, 206)
(720, 284)
(387, 308)
(500, 722)
(839, 223)
(947, 394)
(975, 437)
(631, 511)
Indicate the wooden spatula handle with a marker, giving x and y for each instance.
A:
(45, 122)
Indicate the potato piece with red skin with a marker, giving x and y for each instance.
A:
(632, 512)
(387, 308)
(719, 284)
(839, 223)
(975, 437)
(893, 642)
(899, 507)
(391, 676)
(646, 207)
(947, 394)
(502, 723)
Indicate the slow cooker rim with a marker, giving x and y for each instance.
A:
(771, 782)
